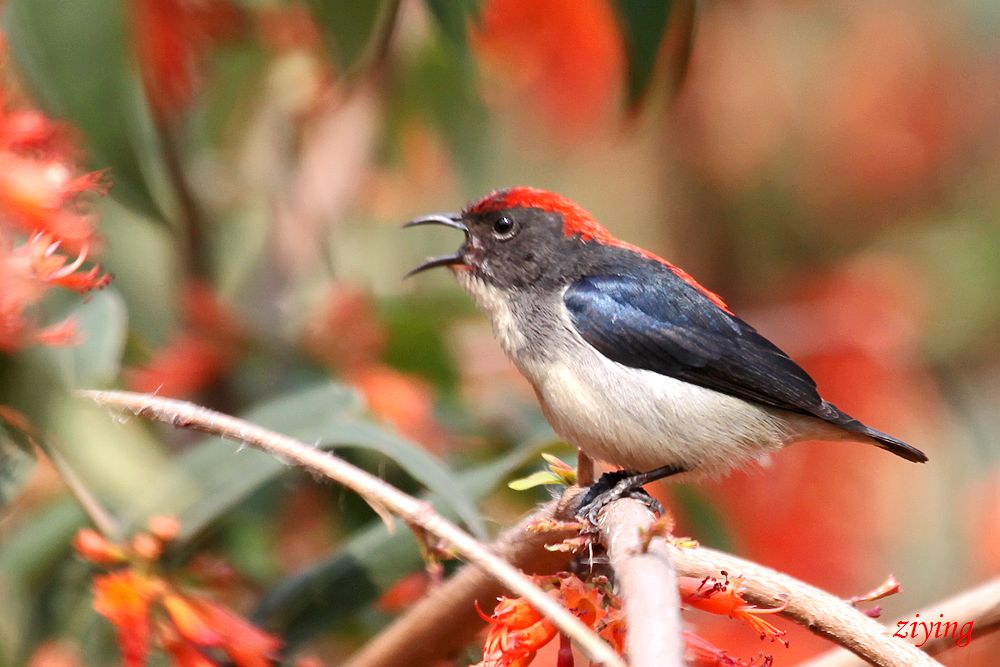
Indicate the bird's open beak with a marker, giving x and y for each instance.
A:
(453, 220)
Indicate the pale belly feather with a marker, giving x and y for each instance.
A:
(642, 420)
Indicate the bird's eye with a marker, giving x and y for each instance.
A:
(504, 227)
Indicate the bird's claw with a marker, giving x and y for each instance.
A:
(609, 488)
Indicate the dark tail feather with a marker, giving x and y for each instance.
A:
(895, 445)
(883, 440)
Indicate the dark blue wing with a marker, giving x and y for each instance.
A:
(667, 326)
(675, 330)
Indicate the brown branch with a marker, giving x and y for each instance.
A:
(979, 605)
(192, 223)
(383, 39)
(444, 621)
(817, 610)
(415, 512)
(820, 612)
(647, 583)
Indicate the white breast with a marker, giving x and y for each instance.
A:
(641, 420)
(494, 303)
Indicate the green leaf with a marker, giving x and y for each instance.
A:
(453, 17)
(537, 478)
(74, 57)
(329, 415)
(348, 27)
(419, 321)
(643, 24)
(102, 324)
(696, 510)
(440, 88)
(116, 460)
(31, 554)
(324, 596)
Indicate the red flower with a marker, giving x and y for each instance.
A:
(123, 598)
(614, 630)
(404, 592)
(345, 335)
(724, 596)
(181, 652)
(188, 626)
(40, 194)
(703, 653)
(403, 400)
(244, 643)
(171, 39)
(564, 55)
(517, 631)
(46, 231)
(198, 355)
(584, 600)
(94, 547)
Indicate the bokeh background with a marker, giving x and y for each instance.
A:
(831, 168)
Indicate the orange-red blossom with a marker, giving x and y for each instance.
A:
(46, 231)
(147, 607)
(517, 631)
(172, 39)
(724, 597)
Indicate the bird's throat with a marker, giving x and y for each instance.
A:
(497, 305)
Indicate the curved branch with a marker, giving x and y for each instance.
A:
(415, 512)
(444, 620)
(653, 619)
(979, 605)
(817, 610)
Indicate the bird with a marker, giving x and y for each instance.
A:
(632, 361)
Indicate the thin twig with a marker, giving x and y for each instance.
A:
(817, 610)
(979, 606)
(444, 620)
(41, 444)
(584, 469)
(92, 507)
(383, 40)
(646, 580)
(192, 223)
(415, 512)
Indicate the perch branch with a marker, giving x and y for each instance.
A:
(817, 610)
(647, 583)
(444, 620)
(980, 605)
(99, 516)
(182, 414)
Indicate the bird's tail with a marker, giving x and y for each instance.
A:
(895, 445)
(880, 439)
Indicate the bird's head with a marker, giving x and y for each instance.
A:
(517, 237)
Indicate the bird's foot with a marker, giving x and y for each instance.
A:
(622, 484)
(609, 488)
